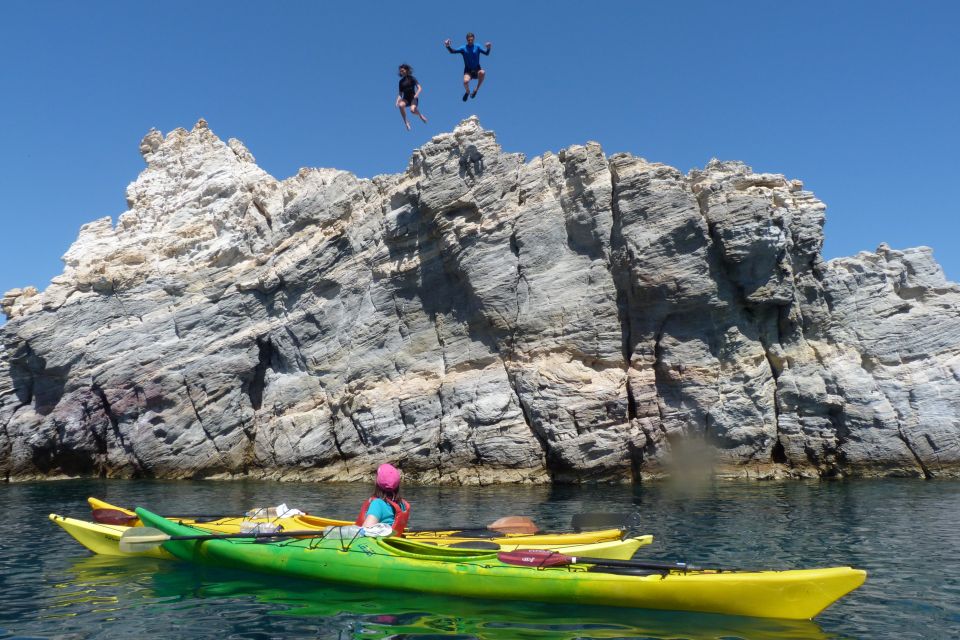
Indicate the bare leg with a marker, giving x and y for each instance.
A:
(480, 76)
(416, 109)
(466, 86)
(403, 113)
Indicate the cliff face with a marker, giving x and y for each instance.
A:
(475, 319)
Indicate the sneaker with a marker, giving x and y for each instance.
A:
(473, 95)
(466, 95)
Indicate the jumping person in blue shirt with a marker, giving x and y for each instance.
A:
(471, 64)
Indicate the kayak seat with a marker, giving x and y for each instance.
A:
(482, 545)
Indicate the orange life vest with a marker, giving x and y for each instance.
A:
(400, 516)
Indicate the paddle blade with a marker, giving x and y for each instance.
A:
(599, 520)
(539, 558)
(140, 539)
(114, 516)
(514, 524)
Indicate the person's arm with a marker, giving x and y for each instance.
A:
(419, 89)
(487, 52)
(446, 43)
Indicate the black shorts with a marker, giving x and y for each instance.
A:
(472, 73)
(409, 98)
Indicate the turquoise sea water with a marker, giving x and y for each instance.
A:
(905, 533)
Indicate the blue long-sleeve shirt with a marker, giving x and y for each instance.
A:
(471, 55)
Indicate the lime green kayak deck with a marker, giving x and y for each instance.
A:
(400, 564)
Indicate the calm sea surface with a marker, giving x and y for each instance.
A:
(906, 534)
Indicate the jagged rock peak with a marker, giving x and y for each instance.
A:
(477, 318)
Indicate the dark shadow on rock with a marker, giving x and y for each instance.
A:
(442, 289)
(34, 381)
(471, 162)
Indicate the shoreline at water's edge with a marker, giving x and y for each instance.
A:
(733, 473)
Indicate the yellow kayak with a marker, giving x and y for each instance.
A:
(103, 539)
(233, 524)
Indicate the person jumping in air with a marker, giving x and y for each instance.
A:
(471, 64)
(409, 94)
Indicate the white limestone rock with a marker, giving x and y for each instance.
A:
(479, 318)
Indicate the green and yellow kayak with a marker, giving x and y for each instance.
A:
(232, 524)
(103, 539)
(397, 563)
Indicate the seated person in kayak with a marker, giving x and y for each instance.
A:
(385, 505)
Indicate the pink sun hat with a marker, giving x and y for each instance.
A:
(388, 477)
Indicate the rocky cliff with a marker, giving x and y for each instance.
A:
(478, 318)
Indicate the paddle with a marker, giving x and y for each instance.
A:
(137, 539)
(514, 524)
(508, 524)
(542, 558)
(521, 525)
(119, 518)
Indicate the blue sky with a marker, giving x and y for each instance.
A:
(860, 100)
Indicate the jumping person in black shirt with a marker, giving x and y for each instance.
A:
(409, 94)
(471, 64)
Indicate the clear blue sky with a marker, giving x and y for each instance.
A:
(860, 100)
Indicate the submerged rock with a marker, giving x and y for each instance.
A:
(477, 319)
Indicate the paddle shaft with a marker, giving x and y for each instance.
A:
(116, 516)
(258, 534)
(221, 536)
(545, 558)
(635, 564)
(461, 532)
(133, 516)
(519, 524)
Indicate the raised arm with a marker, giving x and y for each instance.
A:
(446, 43)
(489, 47)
